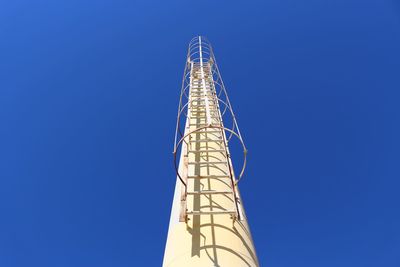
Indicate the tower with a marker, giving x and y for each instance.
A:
(208, 226)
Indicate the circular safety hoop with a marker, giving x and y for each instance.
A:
(182, 142)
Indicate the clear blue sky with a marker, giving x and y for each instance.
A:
(88, 99)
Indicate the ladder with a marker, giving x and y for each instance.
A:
(207, 149)
(206, 170)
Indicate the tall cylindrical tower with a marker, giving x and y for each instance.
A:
(208, 226)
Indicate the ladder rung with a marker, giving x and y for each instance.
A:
(200, 108)
(202, 125)
(203, 117)
(204, 111)
(210, 212)
(217, 120)
(207, 162)
(213, 108)
(208, 177)
(212, 134)
(202, 141)
(208, 192)
(207, 150)
(211, 102)
(200, 114)
(201, 105)
(203, 132)
(212, 105)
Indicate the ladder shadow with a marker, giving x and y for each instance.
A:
(199, 239)
(215, 247)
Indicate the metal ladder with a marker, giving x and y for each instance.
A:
(204, 111)
(204, 145)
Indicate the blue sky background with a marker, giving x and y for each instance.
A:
(88, 99)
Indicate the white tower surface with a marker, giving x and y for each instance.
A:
(208, 226)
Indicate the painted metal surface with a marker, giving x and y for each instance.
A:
(208, 226)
